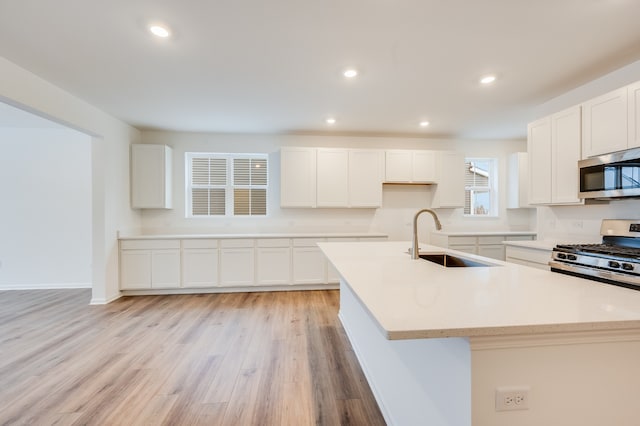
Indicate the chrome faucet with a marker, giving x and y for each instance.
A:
(414, 243)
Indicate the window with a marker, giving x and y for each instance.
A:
(226, 184)
(480, 177)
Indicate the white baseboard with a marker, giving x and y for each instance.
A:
(44, 286)
(103, 300)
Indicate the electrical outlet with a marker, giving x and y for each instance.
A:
(512, 398)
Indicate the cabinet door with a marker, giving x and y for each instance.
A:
(200, 267)
(332, 171)
(449, 192)
(298, 177)
(495, 251)
(273, 265)
(539, 149)
(398, 166)
(633, 93)
(566, 144)
(237, 267)
(135, 269)
(471, 249)
(518, 181)
(309, 266)
(605, 123)
(151, 176)
(424, 166)
(165, 268)
(365, 178)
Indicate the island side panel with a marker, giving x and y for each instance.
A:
(581, 379)
(416, 381)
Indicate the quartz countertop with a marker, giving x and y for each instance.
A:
(253, 235)
(411, 299)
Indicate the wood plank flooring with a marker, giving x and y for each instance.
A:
(272, 358)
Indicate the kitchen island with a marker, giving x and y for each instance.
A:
(436, 343)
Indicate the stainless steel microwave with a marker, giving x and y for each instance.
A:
(611, 176)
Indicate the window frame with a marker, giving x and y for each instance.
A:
(229, 186)
(491, 188)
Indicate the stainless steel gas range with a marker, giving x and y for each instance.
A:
(615, 261)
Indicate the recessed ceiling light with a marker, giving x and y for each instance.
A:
(488, 79)
(424, 123)
(330, 121)
(159, 31)
(350, 73)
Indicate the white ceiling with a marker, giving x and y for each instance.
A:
(255, 66)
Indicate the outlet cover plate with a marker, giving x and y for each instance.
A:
(510, 398)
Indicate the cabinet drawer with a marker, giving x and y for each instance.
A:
(529, 255)
(307, 242)
(273, 242)
(462, 240)
(519, 238)
(491, 239)
(240, 243)
(149, 244)
(199, 243)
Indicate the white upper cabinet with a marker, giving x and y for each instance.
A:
(518, 181)
(449, 192)
(151, 176)
(424, 166)
(539, 149)
(633, 93)
(605, 124)
(553, 145)
(565, 139)
(298, 177)
(365, 178)
(406, 166)
(398, 166)
(332, 179)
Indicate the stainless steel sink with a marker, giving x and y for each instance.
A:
(451, 261)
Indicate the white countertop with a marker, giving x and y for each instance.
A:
(256, 235)
(482, 233)
(418, 299)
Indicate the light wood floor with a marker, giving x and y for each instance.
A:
(279, 358)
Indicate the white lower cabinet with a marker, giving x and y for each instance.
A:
(534, 257)
(309, 263)
(209, 263)
(237, 263)
(200, 263)
(273, 262)
(165, 268)
(152, 264)
(490, 246)
(135, 269)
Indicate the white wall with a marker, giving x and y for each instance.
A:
(111, 139)
(45, 182)
(400, 202)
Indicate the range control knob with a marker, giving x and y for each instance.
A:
(613, 264)
(572, 257)
(627, 267)
(562, 256)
